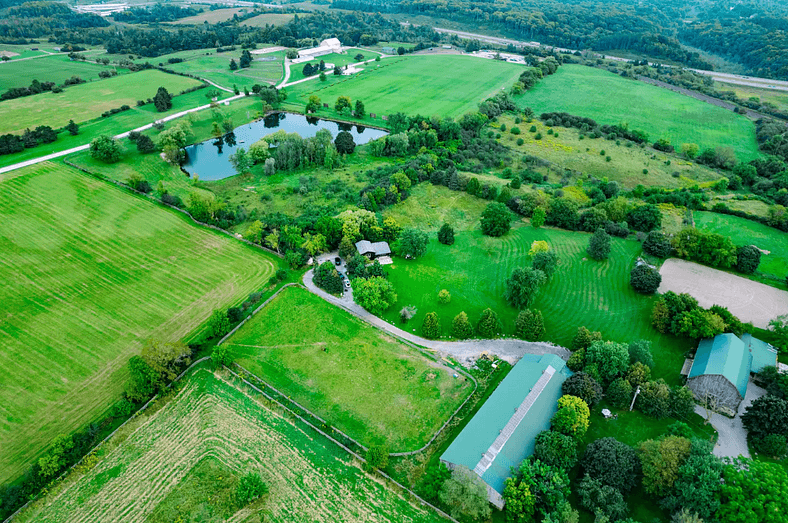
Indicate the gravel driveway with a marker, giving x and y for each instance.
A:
(733, 437)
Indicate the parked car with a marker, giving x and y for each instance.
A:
(342, 276)
(338, 261)
(347, 284)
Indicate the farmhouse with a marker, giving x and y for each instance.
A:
(504, 430)
(328, 46)
(722, 366)
(373, 250)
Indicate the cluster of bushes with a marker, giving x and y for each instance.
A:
(12, 143)
(36, 87)
(680, 315)
(116, 110)
(704, 247)
(310, 69)
(592, 128)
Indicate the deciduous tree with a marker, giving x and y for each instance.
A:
(522, 286)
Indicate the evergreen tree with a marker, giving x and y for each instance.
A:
(162, 100)
(431, 327)
(489, 325)
(446, 234)
(461, 326)
(72, 128)
(529, 325)
(599, 245)
(233, 64)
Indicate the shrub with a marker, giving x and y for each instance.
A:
(610, 359)
(377, 457)
(461, 327)
(538, 136)
(529, 325)
(577, 360)
(105, 148)
(613, 463)
(431, 327)
(556, 449)
(645, 279)
(638, 374)
(583, 386)
(496, 220)
(748, 257)
(599, 245)
(772, 445)
(446, 234)
(532, 129)
(619, 393)
(515, 130)
(250, 487)
(654, 399)
(547, 262)
(520, 141)
(489, 325)
(657, 245)
(640, 351)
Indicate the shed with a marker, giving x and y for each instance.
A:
(721, 370)
(388, 50)
(503, 431)
(373, 250)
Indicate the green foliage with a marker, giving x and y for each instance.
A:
(610, 359)
(645, 279)
(429, 486)
(522, 286)
(344, 143)
(748, 257)
(599, 498)
(431, 326)
(520, 501)
(619, 393)
(682, 402)
(599, 245)
(577, 360)
(584, 338)
(461, 327)
(221, 355)
(547, 262)
(162, 100)
(698, 485)
(654, 399)
(538, 217)
(613, 463)
(572, 417)
(412, 242)
(660, 460)
(446, 234)
(250, 487)
(645, 218)
(327, 278)
(106, 149)
(489, 326)
(755, 492)
(496, 220)
(657, 244)
(465, 495)
(218, 324)
(444, 297)
(583, 386)
(375, 294)
(556, 449)
(564, 513)
(640, 351)
(766, 415)
(143, 380)
(377, 458)
(529, 325)
(346, 248)
(771, 445)
(547, 484)
(55, 459)
(707, 248)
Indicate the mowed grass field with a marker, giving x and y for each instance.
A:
(89, 274)
(610, 99)
(582, 291)
(208, 64)
(54, 68)
(445, 85)
(86, 101)
(362, 381)
(176, 465)
(748, 232)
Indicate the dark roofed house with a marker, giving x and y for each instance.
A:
(503, 431)
(373, 250)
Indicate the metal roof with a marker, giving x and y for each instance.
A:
(725, 355)
(379, 248)
(502, 432)
(763, 354)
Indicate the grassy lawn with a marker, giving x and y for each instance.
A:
(626, 164)
(339, 60)
(86, 101)
(748, 232)
(446, 85)
(181, 462)
(55, 68)
(213, 66)
(90, 273)
(610, 99)
(367, 384)
(581, 292)
(116, 124)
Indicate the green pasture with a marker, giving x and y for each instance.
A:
(748, 232)
(582, 291)
(626, 164)
(118, 123)
(445, 85)
(55, 68)
(367, 384)
(90, 273)
(181, 464)
(269, 19)
(213, 66)
(86, 101)
(338, 59)
(611, 99)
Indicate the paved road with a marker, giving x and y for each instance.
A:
(465, 352)
(732, 440)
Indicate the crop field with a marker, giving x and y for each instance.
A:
(367, 384)
(56, 68)
(748, 232)
(216, 67)
(86, 101)
(447, 85)
(626, 164)
(212, 17)
(582, 291)
(89, 273)
(179, 462)
(269, 19)
(610, 99)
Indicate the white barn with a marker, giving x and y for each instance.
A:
(328, 46)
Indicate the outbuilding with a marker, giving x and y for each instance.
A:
(373, 250)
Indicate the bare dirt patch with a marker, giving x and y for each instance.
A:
(750, 301)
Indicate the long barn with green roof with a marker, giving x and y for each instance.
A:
(504, 430)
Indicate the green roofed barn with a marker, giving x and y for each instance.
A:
(504, 430)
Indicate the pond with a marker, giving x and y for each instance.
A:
(210, 163)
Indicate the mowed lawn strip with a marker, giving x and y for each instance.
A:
(611, 99)
(582, 291)
(55, 68)
(445, 85)
(85, 101)
(367, 384)
(176, 465)
(89, 273)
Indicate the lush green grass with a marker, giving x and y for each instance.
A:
(86, 101)
(116, 124)
(161, 457)
(370, 386)
(339, 60)
(446, 85)
(748, 232)
(626, 164)
(90, 273)
(55, 68)
(610, 99)
(213, 66)
(581, 292)
(269, 19)
(430, 206)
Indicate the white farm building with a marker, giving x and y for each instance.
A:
(328, 46)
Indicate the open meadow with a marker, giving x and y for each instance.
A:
(445, 85)
(54, 68)
(208, 64)
(269, 19)
(211, 16)
(367, 384)
(582, 291)
(86, 101)
(89, 274)
(611, 99)
(182, 463)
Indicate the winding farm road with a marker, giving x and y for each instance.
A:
(465, 352)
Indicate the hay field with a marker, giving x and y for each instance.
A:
(269, 19)
(89, 273)
(610, 99)
(55, 68)
(213, 425)
(213, 66)
(85, 101)
(212, 17)
(446, 85)
(369, 385)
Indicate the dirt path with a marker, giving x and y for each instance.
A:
(465, 352)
